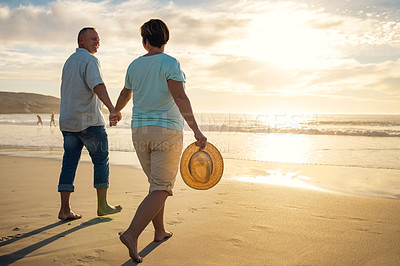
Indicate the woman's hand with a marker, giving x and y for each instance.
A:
(114, 118)
(201, 139)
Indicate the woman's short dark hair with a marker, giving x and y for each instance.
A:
(156, 32)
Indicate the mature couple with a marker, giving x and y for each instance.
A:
(155, 81)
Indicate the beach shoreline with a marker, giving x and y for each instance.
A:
(235, 223)
(364, 181)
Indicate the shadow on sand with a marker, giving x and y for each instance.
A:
(149, 248)
(19, 254)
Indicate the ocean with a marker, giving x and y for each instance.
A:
(357, 141)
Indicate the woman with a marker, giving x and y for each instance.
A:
(160, 106)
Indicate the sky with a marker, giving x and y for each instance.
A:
(315, 56)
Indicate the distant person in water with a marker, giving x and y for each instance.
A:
(82, 124)
(52, 121)
(160, 106)
(39, 121)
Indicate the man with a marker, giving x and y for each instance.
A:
(52, 121)
(39, 121)
(82, 124)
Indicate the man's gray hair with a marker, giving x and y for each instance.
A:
(83, 31)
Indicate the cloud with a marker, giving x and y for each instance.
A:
(51, 31)
(349, 79)
(325, 48)
(389, 85)
(29, 72)
(367, 54)
(387, 78)
(59, 22)
(251, 76)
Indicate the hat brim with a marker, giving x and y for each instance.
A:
(217, 169)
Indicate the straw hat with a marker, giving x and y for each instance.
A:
(201, 169)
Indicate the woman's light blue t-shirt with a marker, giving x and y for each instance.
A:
(153, 104)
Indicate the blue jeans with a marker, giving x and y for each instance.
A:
(95, 140)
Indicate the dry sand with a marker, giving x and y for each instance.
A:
(234, 223)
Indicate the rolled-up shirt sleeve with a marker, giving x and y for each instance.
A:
(94, 76)
(175, 72)
(128, 81)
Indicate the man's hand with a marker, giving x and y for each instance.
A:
(114, 118)
(201, 139)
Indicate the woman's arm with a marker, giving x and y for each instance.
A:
(182, 101)
(123, 99)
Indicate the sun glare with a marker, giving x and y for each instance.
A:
(282, 38)
(281, 178)
(290, 148)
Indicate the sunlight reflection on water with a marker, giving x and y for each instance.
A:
(284, 148)
(280, 178)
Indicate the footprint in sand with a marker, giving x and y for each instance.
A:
(5, 238)
(232, 215)
(235, 242)
(356, 219)
(325, 217)
(368, 231)
(173, 223)
(192, 210)
(88, 259)
(257, 228)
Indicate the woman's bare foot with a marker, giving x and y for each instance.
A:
(131, 244)
(108, 209)
(68, 215)
(160, 236)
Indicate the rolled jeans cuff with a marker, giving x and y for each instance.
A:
(101, 185)
(65, 187)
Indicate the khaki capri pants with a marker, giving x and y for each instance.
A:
(159, 150)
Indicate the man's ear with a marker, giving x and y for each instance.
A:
(80, 40)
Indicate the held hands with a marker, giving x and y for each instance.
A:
(201, 139)
(114, 118)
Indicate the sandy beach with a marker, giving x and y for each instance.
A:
(234, 223)
(301, 99)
